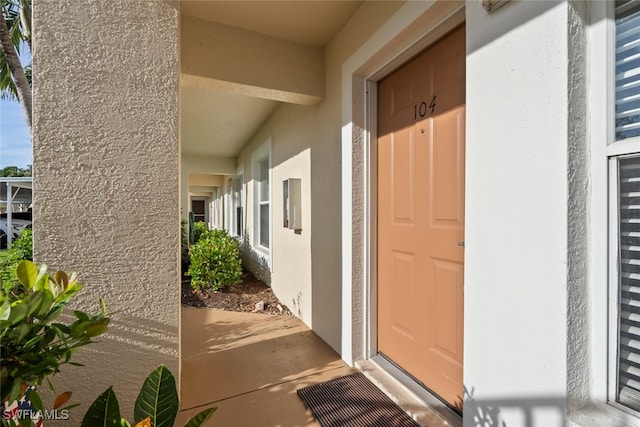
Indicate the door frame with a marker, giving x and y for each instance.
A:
(415, 26)
(371, 175)
(371, 178)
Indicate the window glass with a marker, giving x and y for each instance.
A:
(264, 180)
(237, 194)
(627, 69)
(264, 225)
(628, 388)
(263, 194)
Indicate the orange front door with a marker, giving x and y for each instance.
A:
(421, 125)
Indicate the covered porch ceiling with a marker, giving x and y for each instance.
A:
(241, 59)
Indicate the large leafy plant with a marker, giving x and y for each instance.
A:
(156, 405)
(215, 261)
(34, 344)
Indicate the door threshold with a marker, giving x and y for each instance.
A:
(421, 405)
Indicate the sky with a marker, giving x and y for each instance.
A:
(15, 143)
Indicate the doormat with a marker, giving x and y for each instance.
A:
(353, 401)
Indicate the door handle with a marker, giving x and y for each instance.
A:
(461, 243)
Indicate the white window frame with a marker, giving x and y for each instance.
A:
(217, 208)
(261, 154)
(228, 196)
(236, 200)
(604, 216)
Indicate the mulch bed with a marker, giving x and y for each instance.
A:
(242, 297)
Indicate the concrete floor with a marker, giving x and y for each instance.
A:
(250, 366)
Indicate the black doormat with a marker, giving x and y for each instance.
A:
(353, 401)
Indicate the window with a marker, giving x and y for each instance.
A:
(624, 163)
(261, 177)
(627, 69)
(239, 204)
(229, 206)
(628, 177)
(235, 226)
(263, 201)
(217, 208)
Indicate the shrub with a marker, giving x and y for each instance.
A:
(199, 228)
(34, 344)
(23, 245)
(215, 261)
(184, 243)
(21, 249)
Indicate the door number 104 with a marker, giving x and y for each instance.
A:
(420, 110)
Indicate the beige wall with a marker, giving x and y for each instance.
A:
(106, 174)
(197, 165)
(205, 180)
(268, 67)
(305, 143)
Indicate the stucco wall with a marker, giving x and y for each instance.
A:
(305, 143)
(106, 175)
(579, 369)
(516, 250)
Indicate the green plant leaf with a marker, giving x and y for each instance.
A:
(27, 273)
(36, 401)
(200, 417)
(51, 387)
(33, 302)
(97, 328)
(18, 313)
(5, 310)
(14, 390)
(158, 399)
(42, 280)
(26, 422)
(81, 315)
(79, 328)
(20, 332)
(45, 306)
(104, 411)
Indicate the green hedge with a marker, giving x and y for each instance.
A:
(21, 249)
(215, 261)
(199, 229)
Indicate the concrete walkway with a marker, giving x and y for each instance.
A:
(250, 366)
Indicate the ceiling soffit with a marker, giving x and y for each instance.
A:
(241, 59)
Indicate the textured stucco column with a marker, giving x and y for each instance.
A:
(106, 177)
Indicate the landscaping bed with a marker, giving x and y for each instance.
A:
(242, 297)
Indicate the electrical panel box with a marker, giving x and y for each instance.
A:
(292, 199)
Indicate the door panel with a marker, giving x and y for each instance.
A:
(403, 178)
(421, 125)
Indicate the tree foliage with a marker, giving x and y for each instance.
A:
(15, 31)
(15, 171)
